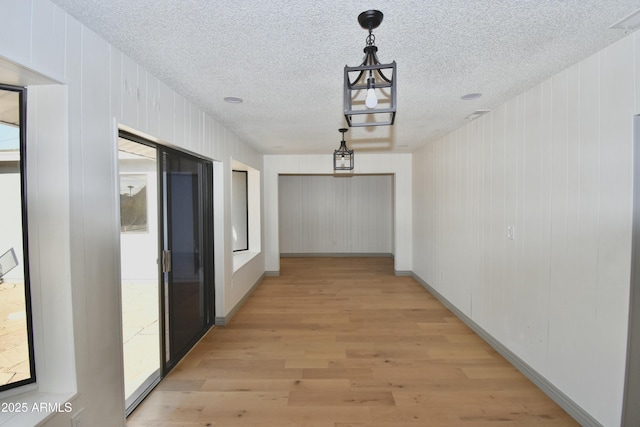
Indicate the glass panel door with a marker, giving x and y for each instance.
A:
(186, 252)
(166, 259)
(139, 243)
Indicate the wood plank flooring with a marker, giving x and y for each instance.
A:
(342, 342)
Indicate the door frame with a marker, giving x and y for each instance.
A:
(630, 407)
(208, 255)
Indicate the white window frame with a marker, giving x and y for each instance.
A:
(240, 258)
(49, 219)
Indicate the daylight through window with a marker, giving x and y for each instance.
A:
(16, 343)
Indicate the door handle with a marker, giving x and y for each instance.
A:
(166, 261)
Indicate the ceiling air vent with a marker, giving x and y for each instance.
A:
(476, 114)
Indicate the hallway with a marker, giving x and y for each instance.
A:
(342, 342)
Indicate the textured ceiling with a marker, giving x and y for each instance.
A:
(285, 58)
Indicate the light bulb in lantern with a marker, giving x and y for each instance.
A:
(371, 100)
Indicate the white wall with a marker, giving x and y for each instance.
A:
(556, 164)
(398, 165)
(326, 214)
(104, 88)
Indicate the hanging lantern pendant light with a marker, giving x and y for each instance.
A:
(343, 157)
(370, 88)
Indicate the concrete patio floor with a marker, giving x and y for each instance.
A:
(14, 350)
(140, 333)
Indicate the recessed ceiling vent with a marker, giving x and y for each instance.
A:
(476, 114)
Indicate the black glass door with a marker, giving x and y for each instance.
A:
(187, 252)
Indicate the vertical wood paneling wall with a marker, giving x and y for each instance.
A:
(323, 214)
(105, 88)
(554, 163)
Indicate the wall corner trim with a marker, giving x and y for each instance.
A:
(572, 408)
(224, 320)
(402, 273)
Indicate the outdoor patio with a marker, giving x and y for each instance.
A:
(140, 333)
(14, 352)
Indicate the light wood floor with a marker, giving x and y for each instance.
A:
(342, 342)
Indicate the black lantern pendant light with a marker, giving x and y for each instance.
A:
(370, 88)
(343, 157)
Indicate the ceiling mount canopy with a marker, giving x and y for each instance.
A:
(370, 88)
(343, 157)
(370, 19)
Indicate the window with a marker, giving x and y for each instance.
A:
(17, 363)
(245, 213)
(240, 211)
